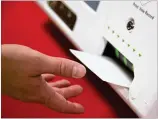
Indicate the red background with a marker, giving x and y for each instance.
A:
(25, 23)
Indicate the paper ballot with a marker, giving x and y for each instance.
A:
(104, 68)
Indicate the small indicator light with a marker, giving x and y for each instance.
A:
(113, 31)
(108, 27)
(128, 45)
(117, 53)
(125, 61)
(123, 40)
(140, 55)
(118, 36)
(134, 50)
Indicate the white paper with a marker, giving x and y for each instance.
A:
(104, 68)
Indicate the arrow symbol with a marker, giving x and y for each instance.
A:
(143, 2)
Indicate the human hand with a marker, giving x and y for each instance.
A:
(25, 73)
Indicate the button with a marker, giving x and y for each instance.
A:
(69, 14)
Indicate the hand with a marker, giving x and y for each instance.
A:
(25, 73)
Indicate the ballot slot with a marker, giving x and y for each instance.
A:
(64, 12)
(125, 65)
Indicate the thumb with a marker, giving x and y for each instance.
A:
(60, 66)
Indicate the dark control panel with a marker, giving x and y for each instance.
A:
(64, 13)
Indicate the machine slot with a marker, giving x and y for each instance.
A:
(124, 64)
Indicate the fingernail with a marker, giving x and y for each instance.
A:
(78, 71)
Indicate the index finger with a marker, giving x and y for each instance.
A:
(57, 102)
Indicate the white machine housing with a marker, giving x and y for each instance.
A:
(93, 29)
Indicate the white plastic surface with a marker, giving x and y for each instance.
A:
(138, 46)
